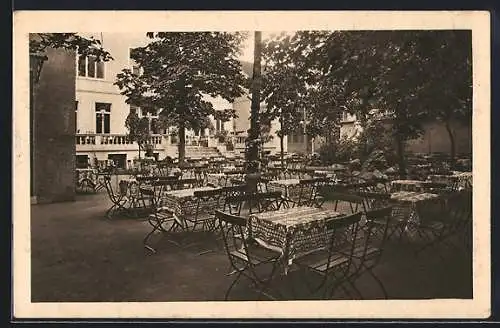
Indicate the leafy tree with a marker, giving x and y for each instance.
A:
(39, 42)
(138, 130)
(448, 94)
(284, 86)
(179, 69)
(416, 75)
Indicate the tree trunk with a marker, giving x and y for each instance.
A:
(182, 142)
(253, 149)
(140, 162)
(452, 143)
(282, 150)
(401, 156)
(282, 136)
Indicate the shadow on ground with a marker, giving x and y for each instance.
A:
(79, 256)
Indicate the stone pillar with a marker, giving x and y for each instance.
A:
(53, 114)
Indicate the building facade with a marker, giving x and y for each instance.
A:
(101, 111)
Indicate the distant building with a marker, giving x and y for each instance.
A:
(101, 111)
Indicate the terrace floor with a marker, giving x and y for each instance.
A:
(79, 256)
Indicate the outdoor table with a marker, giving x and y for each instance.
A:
(132, 189)
(182, 203)
(289, 188)
(328, 174)
(458, 180)
(284, 231)
(216, 179)
(405, 206)
(407, 185)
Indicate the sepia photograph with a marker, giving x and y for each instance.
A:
(235, 165)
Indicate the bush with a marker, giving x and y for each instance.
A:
(344, 150)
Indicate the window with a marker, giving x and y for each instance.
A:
(102, 116)
(76, 117)
(120, 160)
(90, 66)
(82, 161)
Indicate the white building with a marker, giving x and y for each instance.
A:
(101, 111)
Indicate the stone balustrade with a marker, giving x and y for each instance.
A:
(112, 139)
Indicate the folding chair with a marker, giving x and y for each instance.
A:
(370, 247)
(119, 199)
(356, 202)
(267, 201)
(232, 203)
(187, 183)
(333, 262)
(434, 225)
(245, 256)
(315, 198)
(207, 202)
(435, 187)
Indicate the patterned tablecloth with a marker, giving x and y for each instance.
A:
(458, 180)
(217, 179)
(405, 206)
(406, 185)
(182, 202)
(289, 188)
(329, 174)
(291, 231)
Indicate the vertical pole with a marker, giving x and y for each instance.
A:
(253, 146)
(306, 150)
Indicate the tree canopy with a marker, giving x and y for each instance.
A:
(70, 41)
(412, 76)
(179, 69)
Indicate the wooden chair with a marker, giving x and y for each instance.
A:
(245, 255)
(370, 247)
(117, 197)
(333, 262)
(356, 202)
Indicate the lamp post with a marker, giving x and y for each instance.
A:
(36, 64)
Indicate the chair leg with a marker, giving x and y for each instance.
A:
(379, 282)
(226, 296)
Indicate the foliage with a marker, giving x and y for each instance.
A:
(221, 136)
(283, 85)
(342, 151)
(138, 129)
(70, 41)
(411, 73)
(179, 70)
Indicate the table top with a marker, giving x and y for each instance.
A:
(412, 196)
(216, 175)
(462, 174)
(185, 193)
(290, 217)
(407, 182)
(285, 182)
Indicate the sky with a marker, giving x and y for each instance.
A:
(248, 45)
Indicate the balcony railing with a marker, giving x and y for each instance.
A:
(89, 142)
